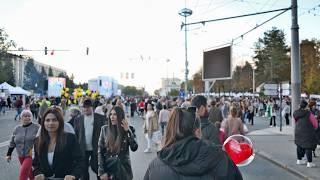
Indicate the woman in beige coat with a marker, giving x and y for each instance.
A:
(233, 124)
(151, 125)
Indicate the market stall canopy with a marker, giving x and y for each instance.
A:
(19, 90)
(6, 86)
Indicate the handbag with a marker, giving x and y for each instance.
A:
(112, 164)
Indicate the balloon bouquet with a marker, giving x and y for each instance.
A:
(240, 149)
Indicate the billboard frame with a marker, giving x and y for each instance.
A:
(221, 78)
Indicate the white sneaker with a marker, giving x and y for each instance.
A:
(310, 165)
(148, 150)
(301, 162)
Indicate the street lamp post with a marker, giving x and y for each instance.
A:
(185, 12)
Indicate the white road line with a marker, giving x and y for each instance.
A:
(3, 144)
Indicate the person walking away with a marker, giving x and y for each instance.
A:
(286, 112)
(163, 118)
(113, 148)
(215, 114)
(133, 107)
(233, 124)
(185, 156)
(18, 105)
(34, 108)
(250, 113)
(305, 134)
(42, 109)
(150, 126)
(2, 106)
(87, 128)
(57, 153)
(9, 102)
(208, 130)
(22, 139)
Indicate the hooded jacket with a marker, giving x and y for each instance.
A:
(304, 133)
(191, 159)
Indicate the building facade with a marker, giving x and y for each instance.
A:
(168, 84)
(19, 63)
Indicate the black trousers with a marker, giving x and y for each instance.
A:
(287, 118)
(86, 175)
(302, 151)
(273, 121)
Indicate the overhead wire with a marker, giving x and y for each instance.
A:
(247, 32)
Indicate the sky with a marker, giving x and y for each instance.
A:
(143, 37)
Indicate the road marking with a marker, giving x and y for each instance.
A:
(3, 144)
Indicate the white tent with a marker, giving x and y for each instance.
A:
(6, 86)
(13, 90)
(19, 90)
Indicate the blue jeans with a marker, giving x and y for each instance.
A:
(19, 110)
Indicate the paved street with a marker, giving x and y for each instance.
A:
(259, 169)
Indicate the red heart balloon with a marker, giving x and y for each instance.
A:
(238, 152)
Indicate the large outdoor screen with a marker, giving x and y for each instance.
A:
(217, 64)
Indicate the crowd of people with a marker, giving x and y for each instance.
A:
(65, 141)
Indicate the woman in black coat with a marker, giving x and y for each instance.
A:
(57, 154)
(185, 156)
(113, 147)
(305, 133)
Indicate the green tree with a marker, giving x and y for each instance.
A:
(273, 63)
(5, 43)
(130, 91)
(6, 66)
(50, 73)
(43, 81)
(174, 92)
(310, 61)
(31, 76)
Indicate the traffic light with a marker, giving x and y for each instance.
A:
(87, 51)
(45, 50)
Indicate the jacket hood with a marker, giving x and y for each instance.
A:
(191, 156)
(300, 113)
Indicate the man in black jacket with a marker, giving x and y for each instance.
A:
(208, 130)
(87, 128)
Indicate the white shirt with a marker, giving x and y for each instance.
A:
(88, 127)
(50, 158)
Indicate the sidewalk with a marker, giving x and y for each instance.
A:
(279, 148)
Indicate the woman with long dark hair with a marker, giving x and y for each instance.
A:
(113, 147)
(185, 156)
(57, 153)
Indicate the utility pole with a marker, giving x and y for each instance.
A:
(295, 59)
(185, 12)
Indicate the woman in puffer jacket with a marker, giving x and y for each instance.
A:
(185, 156)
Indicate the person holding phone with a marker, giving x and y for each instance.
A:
(113, 147)
(22, 139)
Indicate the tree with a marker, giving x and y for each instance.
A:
(5, 43)
(6, 66)
(273, 63)
(197, 83)
(174, 92)
(31, 76)
(156, 92)
(50, 73)
(130, 91)
(310, 61)
(43, 81)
